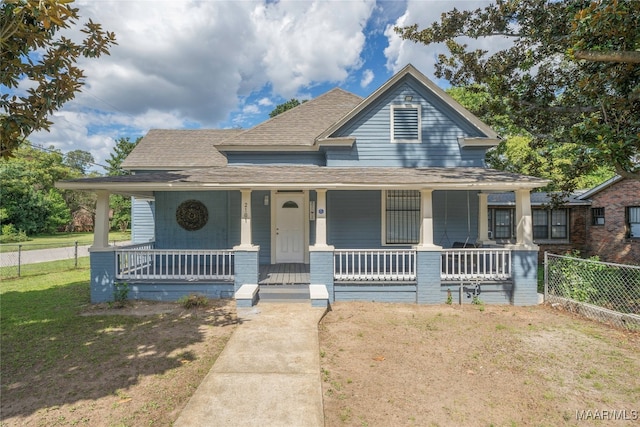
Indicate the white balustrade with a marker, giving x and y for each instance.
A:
(142, 262)
(374, 265)
(476, 264)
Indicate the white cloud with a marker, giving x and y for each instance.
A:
(424, 12)
(367, 78)
(192, 63)
(308, 42)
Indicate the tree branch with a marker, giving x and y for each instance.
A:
(608, 56)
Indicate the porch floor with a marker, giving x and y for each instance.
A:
(284, 274)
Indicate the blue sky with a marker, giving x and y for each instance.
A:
(220, 64)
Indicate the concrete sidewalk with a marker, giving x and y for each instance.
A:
(267, 375)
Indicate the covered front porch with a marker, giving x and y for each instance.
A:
(381, 275)
(341, 244)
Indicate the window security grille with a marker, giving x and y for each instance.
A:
(402, 216)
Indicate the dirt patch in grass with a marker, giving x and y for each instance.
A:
(396, 364)
(133, 366)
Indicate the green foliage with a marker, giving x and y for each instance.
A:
(11, 235)
(575, 278)
(587, 280)
(121, 205)
(193, 301)
(120, 294)
(281, 108)
(585, 110)
(515, 152)
(121, 150)
(29, 200)
(79, 160)
(35, 54)
(449, 297)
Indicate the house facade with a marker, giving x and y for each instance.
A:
(603, 221)
(613, 226)
(382, 198)
(558, 230)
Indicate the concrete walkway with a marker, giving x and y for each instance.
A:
(268, 373)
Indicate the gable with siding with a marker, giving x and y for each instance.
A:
(441, 130)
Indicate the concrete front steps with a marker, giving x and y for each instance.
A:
(250, 295)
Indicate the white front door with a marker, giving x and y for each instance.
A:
(289, 227)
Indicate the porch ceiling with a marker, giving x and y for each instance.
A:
(309, 177)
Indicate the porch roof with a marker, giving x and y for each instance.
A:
(308, 177)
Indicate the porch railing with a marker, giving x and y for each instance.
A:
(374, 265)
(145, 263)
(475, 264)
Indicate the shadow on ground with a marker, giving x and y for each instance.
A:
(51, 355)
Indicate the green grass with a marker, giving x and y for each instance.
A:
(39, 315)
(62, 367)
(59, 240)
(40, 271)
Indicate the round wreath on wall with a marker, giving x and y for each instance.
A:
(192, 215)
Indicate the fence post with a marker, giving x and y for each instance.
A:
(76, 254)
(546, 276)
(19, 258)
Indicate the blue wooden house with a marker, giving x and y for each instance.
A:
(382, 198)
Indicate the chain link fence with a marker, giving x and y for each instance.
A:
(602, 291)
(17, 260)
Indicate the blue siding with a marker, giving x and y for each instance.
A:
(275, 158)
(233, 220)
(142, 220)
(441, 128)
(261, 225)
(353, 219)
(214, 235)
(390, 293)
(175, 291)
(451, 222)
(490, 293)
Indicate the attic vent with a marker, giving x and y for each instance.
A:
(405, 124)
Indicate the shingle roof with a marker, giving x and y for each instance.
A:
(301, 125)
(537, 199)
(179, 149)
(301, 177)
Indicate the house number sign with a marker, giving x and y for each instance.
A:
(192, 215)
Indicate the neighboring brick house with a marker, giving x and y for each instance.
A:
(556, 231)
(603, 221)
(613, 228)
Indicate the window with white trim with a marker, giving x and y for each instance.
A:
(401, 217)
(633, 221)
(406, 124)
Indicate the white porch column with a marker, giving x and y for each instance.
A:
(524, 221)
(321, 218)
(245, 221)
(426, 225)
(101, 225)
(483, 219)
